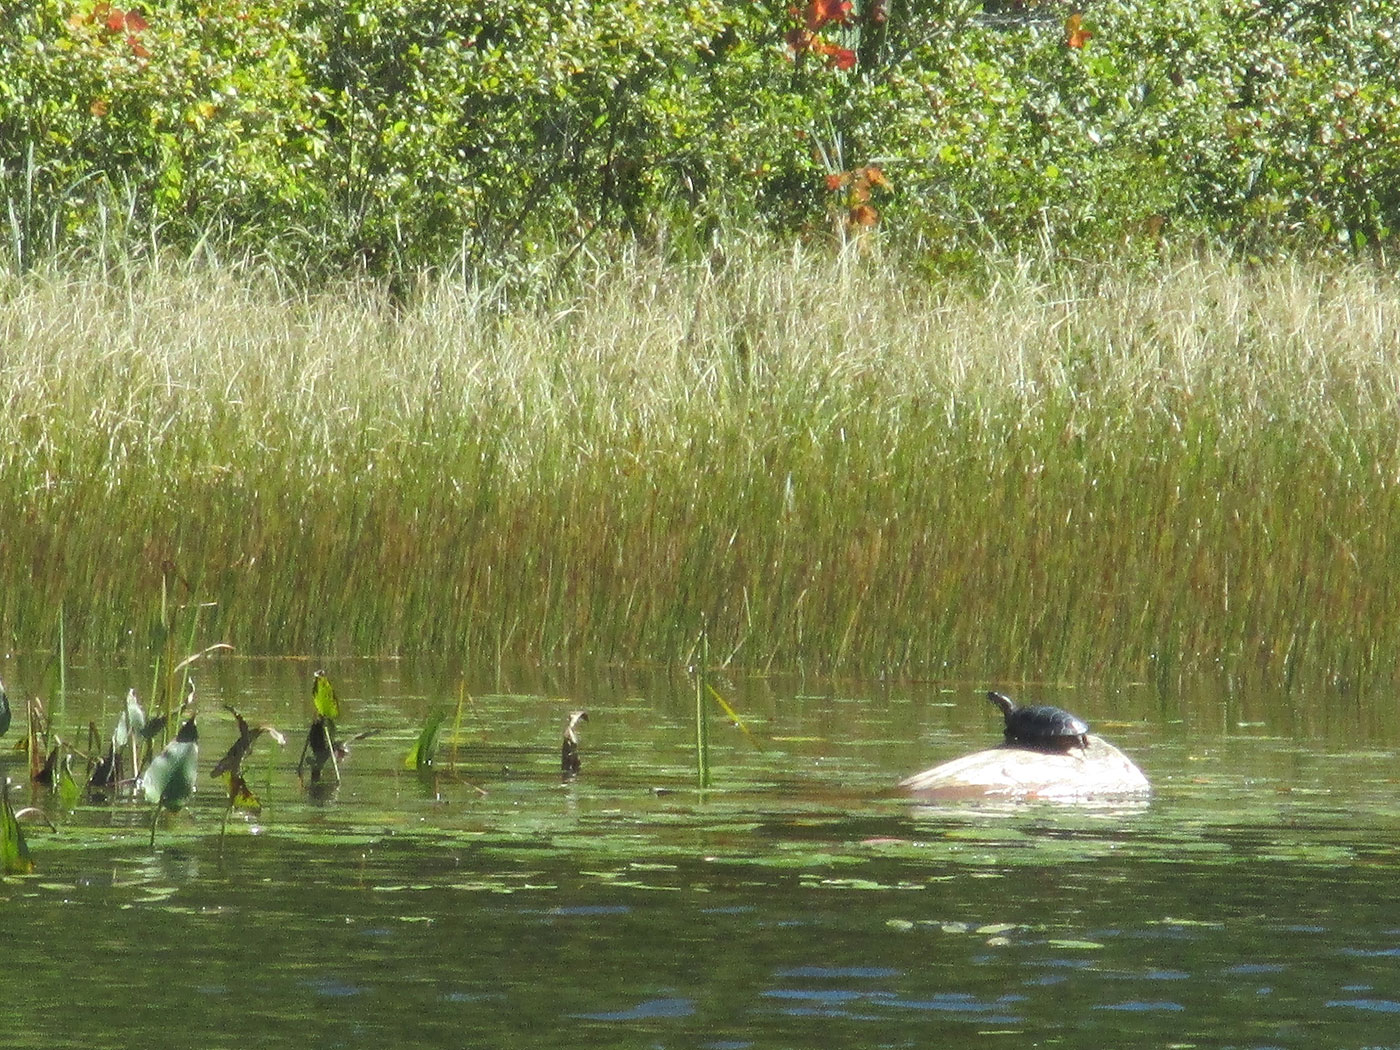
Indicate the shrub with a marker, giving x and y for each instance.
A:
(393, 134)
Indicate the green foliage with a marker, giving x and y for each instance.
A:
(323, 697)
(388, 135)
(14, 852)
(170, 779)
(835, 465)
(424, 751)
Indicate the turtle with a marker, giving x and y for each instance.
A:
(1041, 728)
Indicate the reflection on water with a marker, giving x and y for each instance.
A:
(798, 903)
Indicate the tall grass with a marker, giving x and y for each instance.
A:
(829, 463)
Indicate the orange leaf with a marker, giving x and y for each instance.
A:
(820, 12)
(116, 18)
(135, 22)
(1076, 35)
(864, 215)
(99, 107)
(876, 177)
(836, 181)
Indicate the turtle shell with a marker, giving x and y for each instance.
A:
(1041, 726)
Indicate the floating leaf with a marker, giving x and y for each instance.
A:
(323, 696)
(420, 756)
(14, 853)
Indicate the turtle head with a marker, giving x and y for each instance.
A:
(1007, 705)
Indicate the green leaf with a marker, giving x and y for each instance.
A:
(169, 780)
(69, 794)
(420, 756)
(14, 854)
(240, 795)
(324, 697)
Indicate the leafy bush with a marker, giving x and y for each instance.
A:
(392, 134)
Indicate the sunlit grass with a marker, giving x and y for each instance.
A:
(830, 464)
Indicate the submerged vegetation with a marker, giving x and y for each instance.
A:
(828, 463)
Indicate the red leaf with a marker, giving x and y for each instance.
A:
(844, 58)
(836, 181)
(135, 22)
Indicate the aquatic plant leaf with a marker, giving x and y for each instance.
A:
(14, 853)
(318, 749)
(169, 780)
(233, 758)
(4, 710)
(108, 771)
(240, 795)
(733, 716)
(569, 761)
(68, 791)
(46, 773)
(154, 727)
(323, 696)
(424, 749)
(132, 720)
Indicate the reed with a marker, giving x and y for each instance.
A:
(825, 462)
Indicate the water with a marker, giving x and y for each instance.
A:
(797, 903)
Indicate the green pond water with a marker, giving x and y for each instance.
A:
(796, 903)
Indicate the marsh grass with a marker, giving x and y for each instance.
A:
(829, 463)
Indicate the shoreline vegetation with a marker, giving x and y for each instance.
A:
(824, 461)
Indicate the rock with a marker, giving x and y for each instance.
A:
(1079, 775)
